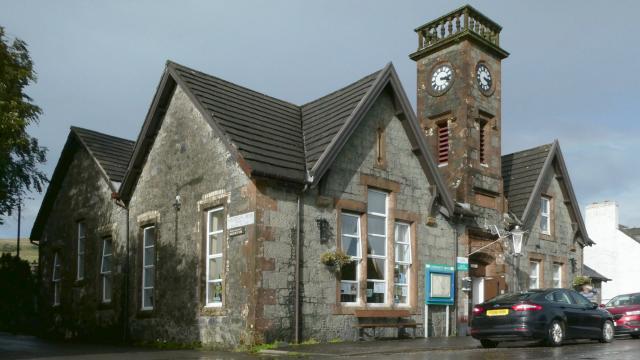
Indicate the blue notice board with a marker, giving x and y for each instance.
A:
(439, 284)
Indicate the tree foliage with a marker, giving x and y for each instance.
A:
(20, 154)
(18, 292)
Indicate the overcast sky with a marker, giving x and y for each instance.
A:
(572, 74)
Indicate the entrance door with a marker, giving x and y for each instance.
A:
(491, 288)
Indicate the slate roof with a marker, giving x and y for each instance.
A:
(274, 138)
(266, 131)
(112, 153)
(589, 272)
(324, 117)
(520, 172)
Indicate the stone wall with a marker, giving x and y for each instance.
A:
(559, 247)
(83, 196)
(189, 159)
(323, 317)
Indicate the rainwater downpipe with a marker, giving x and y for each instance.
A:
(300, 215)
(125, 310)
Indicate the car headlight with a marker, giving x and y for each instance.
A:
(634, 312)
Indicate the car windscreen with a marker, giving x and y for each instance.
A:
(529, 295)
(624, 300)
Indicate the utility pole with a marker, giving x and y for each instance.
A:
(19, 215)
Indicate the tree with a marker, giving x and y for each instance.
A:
(20, 154)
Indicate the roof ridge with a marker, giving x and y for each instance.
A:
(183, 67)
(529, 149)
(372, 75)
(76, 128)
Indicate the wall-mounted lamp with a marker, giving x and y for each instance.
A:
(177, 203)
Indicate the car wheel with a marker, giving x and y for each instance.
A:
(488, 344)
(555, 335)
(635, 336)
(607, 332)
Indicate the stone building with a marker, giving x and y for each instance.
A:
(459, 100)
(79, 228)
(218, 217)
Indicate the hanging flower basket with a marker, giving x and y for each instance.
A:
(335, 260)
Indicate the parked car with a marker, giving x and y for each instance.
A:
(550, 315)
(626, 314)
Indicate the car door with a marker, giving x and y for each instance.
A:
(591, 316)
(565, 304)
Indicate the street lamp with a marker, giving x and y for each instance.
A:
(517, 235)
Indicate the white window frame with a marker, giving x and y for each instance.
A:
(534, 276)
(357, 258)
(386, 240)
(56, 278)
(144, 267)
(557, 275)
(81, 247)
(106, 275)
(213, 256)
(545, 217)
(407, 242)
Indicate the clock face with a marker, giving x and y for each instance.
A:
(483, 77)
(441, 79)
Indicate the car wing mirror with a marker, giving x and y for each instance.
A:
(603, 306)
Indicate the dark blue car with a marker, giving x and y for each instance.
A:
(550, 315)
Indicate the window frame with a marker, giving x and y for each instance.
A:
(208, 257)
(545, 215)
(385, 258)
(144, 288)
(81, 243)
(408, 263)
(558, 267)
(104, 275)
(56, 280)
(537, 274)
(357, 259)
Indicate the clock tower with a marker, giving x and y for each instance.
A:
(459, 95)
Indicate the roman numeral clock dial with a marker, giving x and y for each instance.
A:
(441, 79)
(484, 79)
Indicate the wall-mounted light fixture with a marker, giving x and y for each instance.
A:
(177, 204)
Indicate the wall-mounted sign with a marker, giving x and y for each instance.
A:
(462, 263)
(236, 231)
(241, 220)
(439, 285)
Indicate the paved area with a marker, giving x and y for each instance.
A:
(26, 347)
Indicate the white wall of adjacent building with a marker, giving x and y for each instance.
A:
(615, 255)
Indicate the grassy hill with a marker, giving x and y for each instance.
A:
(28, 251)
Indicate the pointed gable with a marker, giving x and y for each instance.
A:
(524, 174)
(266, 131)
(520, 173)
(111, 155)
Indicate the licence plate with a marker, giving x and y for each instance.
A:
(499, 312)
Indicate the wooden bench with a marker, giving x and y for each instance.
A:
(373, 319)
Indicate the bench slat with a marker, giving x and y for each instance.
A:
(382, 313)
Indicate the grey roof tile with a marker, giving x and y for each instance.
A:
(587, 271)
(323, 118)
(520, 172)
(112, 153)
